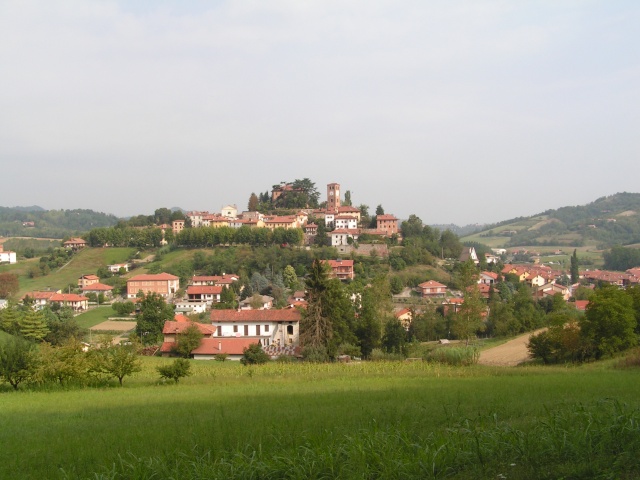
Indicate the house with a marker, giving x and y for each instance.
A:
(266, 303)
(177, 226)
(488, 278)
(345, 222)
(550, 289)
(311, 229)
(208, 294)
(115, 268)
(469, 253)
(432, 289)
(268, 327)
(349, 210)
(86, 280)
(38, 299)
(98, 288)
(75, 243)
(7, 256)
(341, 269)
(164, 284)
(387, 224)
(286, 222)
(342, 236)
(187, 307)
(219, 280)
(78, 303)
(404, 316)
(229, 211)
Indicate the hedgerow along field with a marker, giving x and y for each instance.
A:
(359, 420)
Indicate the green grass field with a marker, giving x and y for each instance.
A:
(95, 316)
(368, 420)
(87, 261)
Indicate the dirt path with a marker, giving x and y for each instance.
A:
(508, 354)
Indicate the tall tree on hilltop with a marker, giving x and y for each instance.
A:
(575, 272)
(347, 198)
(253, 203)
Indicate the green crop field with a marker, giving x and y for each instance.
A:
(95, 316)
(359, 420)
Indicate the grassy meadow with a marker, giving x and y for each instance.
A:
(359, 420)
(85, 261)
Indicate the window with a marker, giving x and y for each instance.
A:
(289, 329)
(257, 329)
(246, 330)
(235, 329)
(266, 328)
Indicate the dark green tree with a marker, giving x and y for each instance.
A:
(154, 311)
(33, 326)
(253, 203)
(347, 198)
(610, 322)
(575, 273)
(394, 339)
(315, 326)
(17, 360)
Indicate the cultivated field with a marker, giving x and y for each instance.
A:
(359, 420)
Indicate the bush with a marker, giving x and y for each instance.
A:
(315, 354)
(457, 356)
(175, 371)
(254, 355)
(221, 357)
(349, 349)
(379, 355)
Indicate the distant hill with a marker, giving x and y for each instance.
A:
(460, 231)
(608, 221)
(32, 208)
(20, 222)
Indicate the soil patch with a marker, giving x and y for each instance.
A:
(509, 354)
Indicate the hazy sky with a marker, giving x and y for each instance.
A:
(457, 111)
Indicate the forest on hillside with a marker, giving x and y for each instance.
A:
(18, 222)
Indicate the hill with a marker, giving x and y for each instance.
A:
(608, 221)
(29, 222)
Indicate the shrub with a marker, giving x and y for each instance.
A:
(254, 355)
(457, 356)
(379, 355)
(315, 354)
(176, 370)
(221, 357)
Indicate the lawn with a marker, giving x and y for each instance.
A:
(87, 261)
(363, 420)
(95, 316)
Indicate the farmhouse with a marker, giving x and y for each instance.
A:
(342, 269)
(77, 302)
(75, 243)
(98, 288)
(268, 327)
(86, 280)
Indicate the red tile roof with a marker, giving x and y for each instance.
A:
(179, 327)
(225, 345)
(97, 287)
(431, 284)
(151, 277)
(39, 295)
(204, 290)
(287, 315)
(386, 217)
(339, 263)
(68, 297)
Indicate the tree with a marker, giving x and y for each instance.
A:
(394, 339)
(347, 198)
(176, 370)
(188, 341)
(253, 203)
(33, 326)
(315, 326)
(9, 285)
(227, 298)
(64, 363)
(289, 277)
(17, 360)
(379, 210)
(154, 311)
(609, 323)
(468, 320)
(575, 273)
(254, 355)
(117, 361)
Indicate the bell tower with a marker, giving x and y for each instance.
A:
(333, 197)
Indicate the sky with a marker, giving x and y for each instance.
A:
(457, 111)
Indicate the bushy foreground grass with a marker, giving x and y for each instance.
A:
(384, 420)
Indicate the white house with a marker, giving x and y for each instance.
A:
(115, 268)
(269, 327)
(7, 256)
(229, 211)
(345, 222)
(341, 237)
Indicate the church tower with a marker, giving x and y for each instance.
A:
(333, 197)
